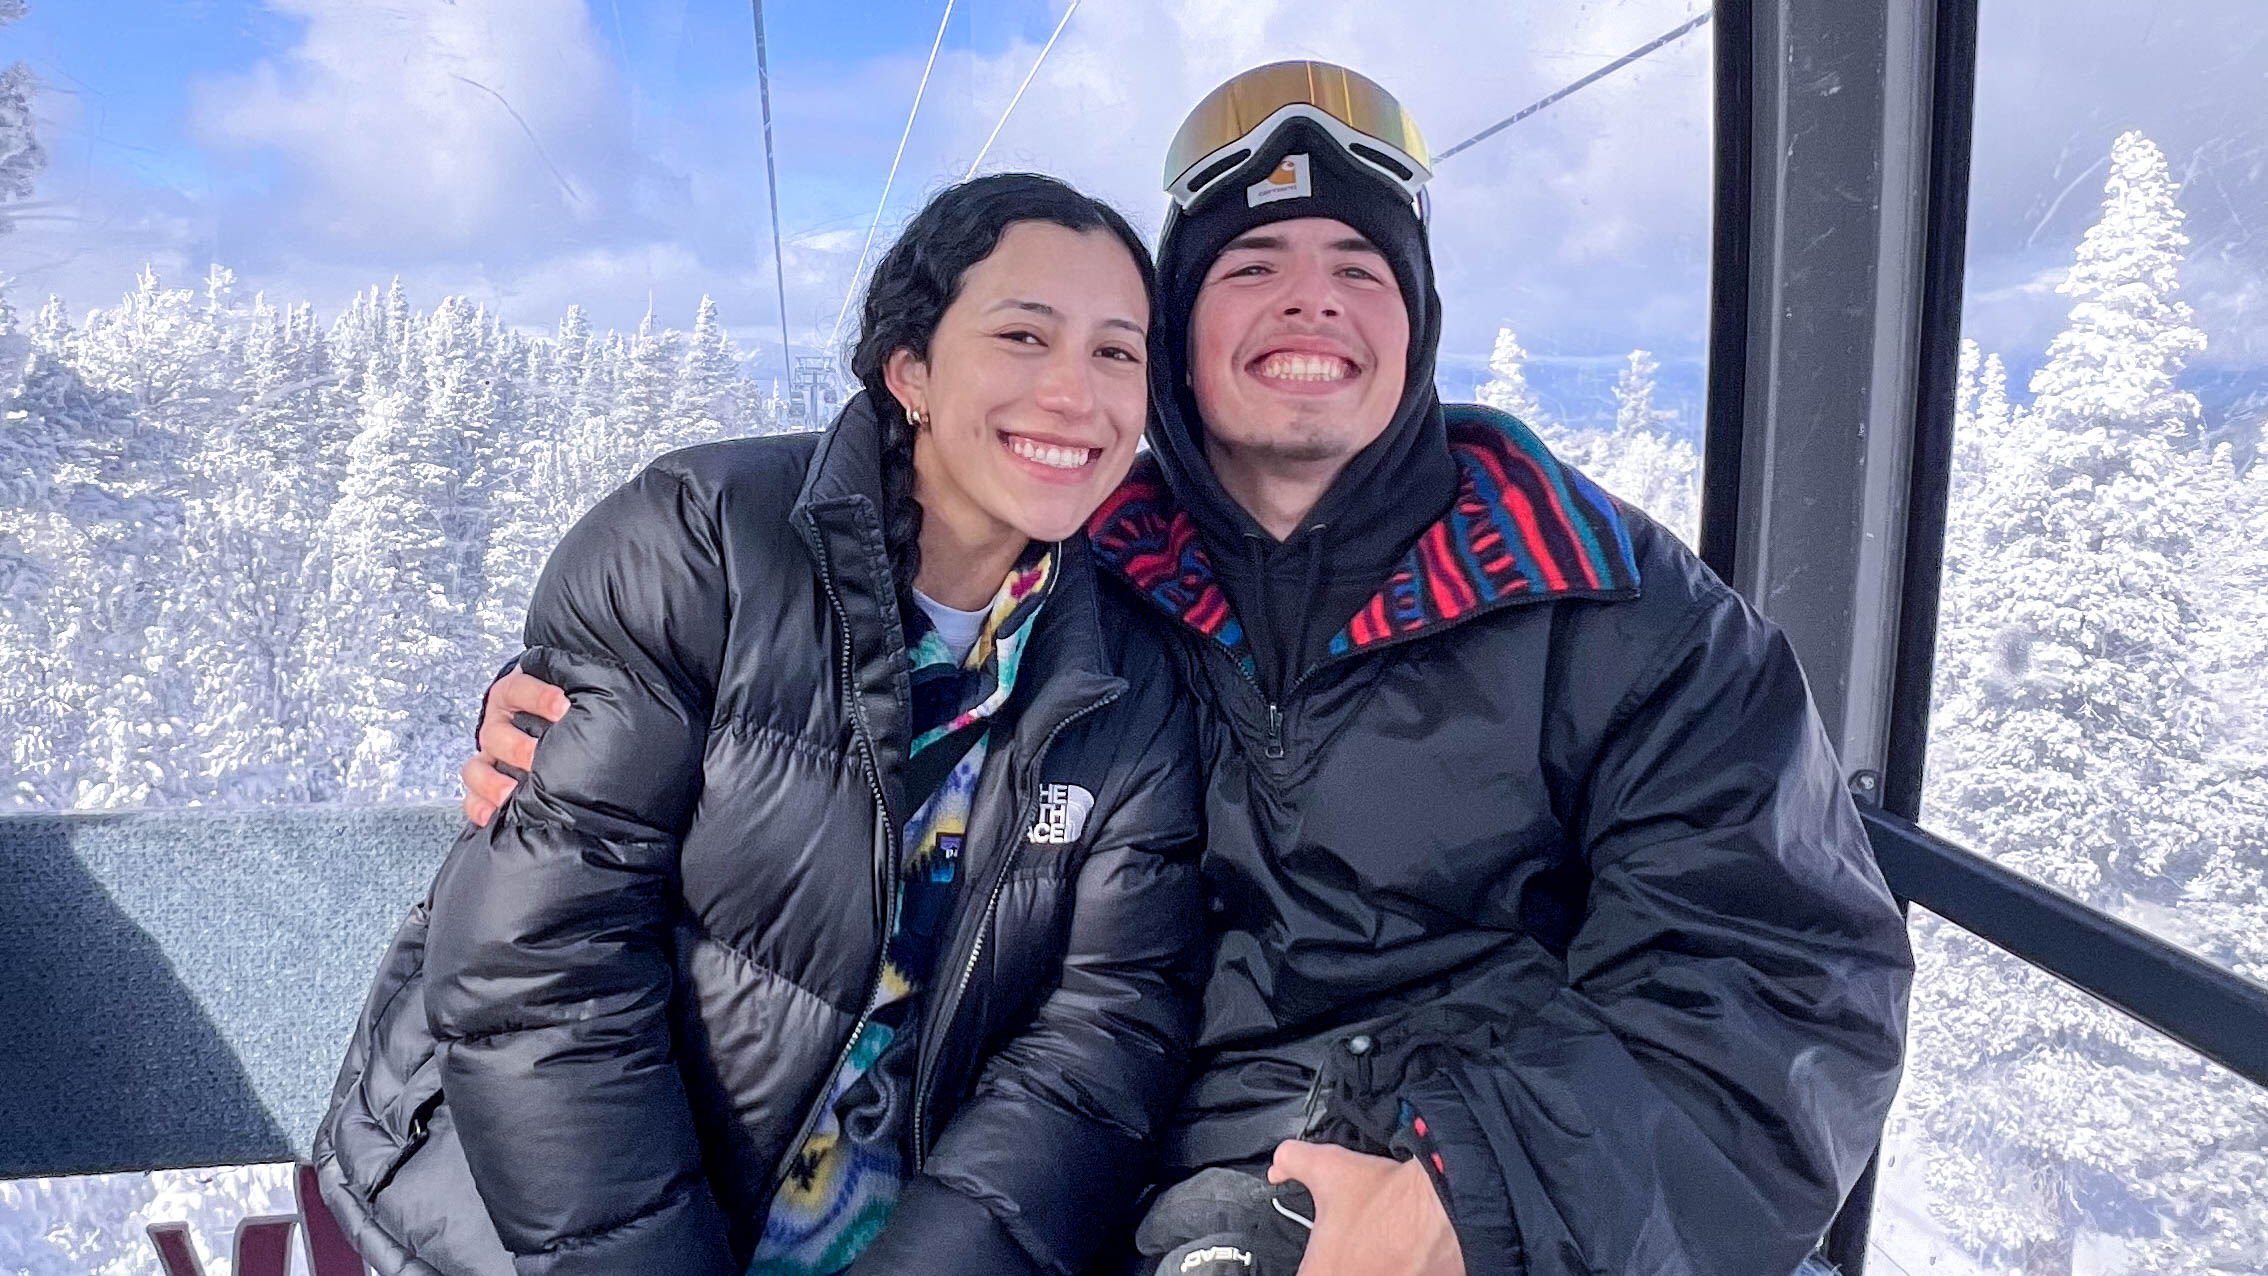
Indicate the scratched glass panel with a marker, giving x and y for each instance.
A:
(2041, 1133)
(2100, 722)
(262, 254)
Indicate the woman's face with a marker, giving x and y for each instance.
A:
(1035, 390)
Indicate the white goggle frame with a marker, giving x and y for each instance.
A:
(1206, 175)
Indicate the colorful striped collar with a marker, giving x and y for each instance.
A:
(950, 694)
(1524, 527)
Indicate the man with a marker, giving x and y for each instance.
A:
(1547, 938)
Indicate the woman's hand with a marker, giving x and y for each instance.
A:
(503, 743)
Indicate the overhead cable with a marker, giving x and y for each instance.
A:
(1594, 77)
(987, 147)
(880, 204)
(772, 183)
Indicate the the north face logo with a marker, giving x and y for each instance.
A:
(1062, 814)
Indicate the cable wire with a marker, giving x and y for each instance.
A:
(919, 89)
(1594, 77)
(987, 147)
(772, 183)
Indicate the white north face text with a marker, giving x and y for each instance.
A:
(1062, 814)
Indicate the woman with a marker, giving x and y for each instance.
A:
(856, 885)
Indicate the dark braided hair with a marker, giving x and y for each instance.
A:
(914, 284)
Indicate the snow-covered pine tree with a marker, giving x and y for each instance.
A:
(92, 526)
(2234, 650)
(1507, 389)
(171, 356)
(44, 425)
(1634, 391)
(399, 626)
(464, 404)
(643, 424)
(160, 347)
(1982, 419)
(398, 327)
(2070, 742)
(711, 399)
(250, 595)
(1640, 461)
(51, 329)
(15, 343)
(535, 496)
(596, 460)
(356, 338)
(21, 156)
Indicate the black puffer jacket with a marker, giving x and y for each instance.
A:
(613, 1018)
(1545, 868)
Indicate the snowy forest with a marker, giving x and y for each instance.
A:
(250, 558)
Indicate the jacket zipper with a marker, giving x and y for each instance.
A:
(927, 1075)
(1274, 749)
(887, 901)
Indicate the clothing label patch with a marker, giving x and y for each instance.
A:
(1289, 181)
(1062, 815)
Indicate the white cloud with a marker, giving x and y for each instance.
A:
(429, 125)
(1570, 225)
(370, 144)
(384, 149)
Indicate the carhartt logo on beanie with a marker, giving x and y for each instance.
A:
(1289, 180)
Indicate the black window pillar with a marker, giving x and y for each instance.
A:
(1841, 205)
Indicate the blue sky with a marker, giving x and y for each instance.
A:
(533, 153)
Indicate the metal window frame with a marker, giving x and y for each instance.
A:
(1826, 186)
(2207, 1008)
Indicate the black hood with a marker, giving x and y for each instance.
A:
(1292, 596)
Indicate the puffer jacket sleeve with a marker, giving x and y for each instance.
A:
(1050, 1152)
(549, 964)
(1714, 1075)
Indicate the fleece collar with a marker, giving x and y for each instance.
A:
(1524, 528)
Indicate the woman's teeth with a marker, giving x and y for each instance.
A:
(1306, 367)
(1049, 455)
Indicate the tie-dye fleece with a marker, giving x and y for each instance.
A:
(844, 1179)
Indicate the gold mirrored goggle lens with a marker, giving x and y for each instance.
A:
(1236, 108)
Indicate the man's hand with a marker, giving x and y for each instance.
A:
(501, 742)
(1373, 1216)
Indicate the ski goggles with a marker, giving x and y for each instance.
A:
(1236, 120)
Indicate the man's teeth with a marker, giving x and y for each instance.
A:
(1306, 367)
(1047, 454)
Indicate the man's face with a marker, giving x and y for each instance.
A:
(1299, 343)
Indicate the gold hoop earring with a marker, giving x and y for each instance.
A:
(916, 418)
